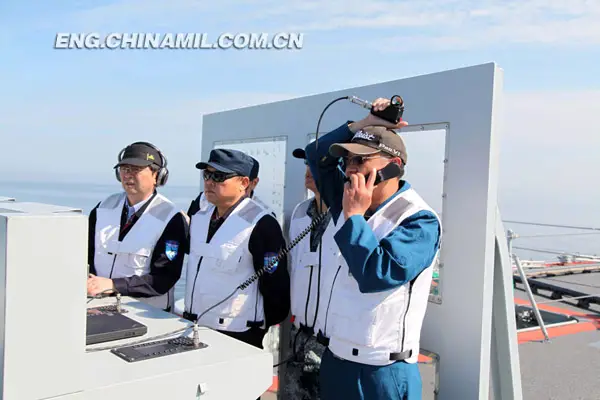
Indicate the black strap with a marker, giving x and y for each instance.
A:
(403, 355)
(322, 339)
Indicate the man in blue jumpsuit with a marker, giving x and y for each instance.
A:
(389, 240)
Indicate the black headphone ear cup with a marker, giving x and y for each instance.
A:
(119, 158)
(165, 176)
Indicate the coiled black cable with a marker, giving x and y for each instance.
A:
(282, 253)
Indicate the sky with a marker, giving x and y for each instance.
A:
(65, 114)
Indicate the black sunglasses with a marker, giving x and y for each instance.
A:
(360, 160)
(218, 176)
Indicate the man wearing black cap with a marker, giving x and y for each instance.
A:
(254, 179)
(389, 240)
(312, 272)
(231, 238)
(138, 238)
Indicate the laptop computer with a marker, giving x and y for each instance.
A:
(107, 326)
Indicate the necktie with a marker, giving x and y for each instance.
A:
(130, 217)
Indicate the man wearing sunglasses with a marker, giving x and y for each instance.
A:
(389, 240)
(231, 238)
(138, 238)
(195, 204)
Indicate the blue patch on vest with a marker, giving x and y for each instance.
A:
(267, 260)
(171, 248)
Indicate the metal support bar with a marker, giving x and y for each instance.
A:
(530, 295)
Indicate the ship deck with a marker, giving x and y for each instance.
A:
(566, 366)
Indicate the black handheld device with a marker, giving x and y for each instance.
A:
(391, 170)
(392, 113)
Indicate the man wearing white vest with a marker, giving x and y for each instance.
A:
(311, 283)
(138, 238)
(389, 240)
(231, 238)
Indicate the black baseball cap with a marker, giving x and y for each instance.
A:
(371, 140)
(141, 155)
(229, 161)
(255, 167)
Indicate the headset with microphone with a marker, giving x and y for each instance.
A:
(163, 173)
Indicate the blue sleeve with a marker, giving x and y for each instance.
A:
(325, 169)
(396, 259)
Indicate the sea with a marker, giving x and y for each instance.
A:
(86, 196)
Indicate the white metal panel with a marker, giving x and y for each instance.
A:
(44, 265)
(43, 257)
(37, 208)
(229, 368)
(467, 101)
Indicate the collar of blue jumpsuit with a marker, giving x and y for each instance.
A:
(403, 186)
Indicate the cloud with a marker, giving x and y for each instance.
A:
(553, 118)
(430, 24)
(548, 156)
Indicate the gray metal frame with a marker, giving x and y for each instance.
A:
(467, 100)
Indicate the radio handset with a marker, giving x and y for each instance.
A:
(390, 171)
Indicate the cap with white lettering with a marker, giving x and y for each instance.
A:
(371, 140)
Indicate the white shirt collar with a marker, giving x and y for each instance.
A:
(136, 207)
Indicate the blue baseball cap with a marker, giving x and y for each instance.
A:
(229, 161)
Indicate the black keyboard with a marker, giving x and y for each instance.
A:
(159, 348)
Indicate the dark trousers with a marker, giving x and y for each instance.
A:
(253, 337)
(342, 379)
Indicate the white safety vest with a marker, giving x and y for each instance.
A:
(369, 327)
(304, 270)
(132, 256)
(215, 269)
